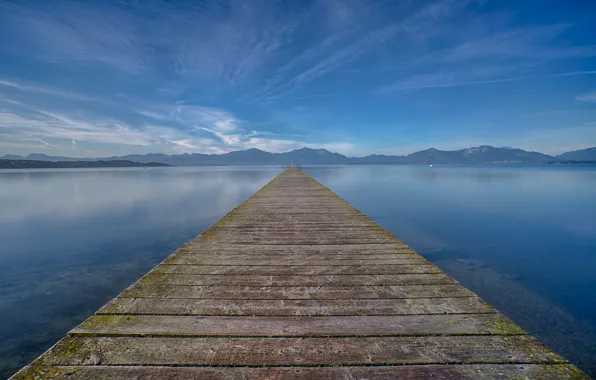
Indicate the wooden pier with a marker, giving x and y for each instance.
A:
(295, 283)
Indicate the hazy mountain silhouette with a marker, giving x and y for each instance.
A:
(41, 164)
(588, 154)
(478, 155)
(308, 156)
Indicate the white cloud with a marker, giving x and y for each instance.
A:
(175, 128)
(46, 143)
(249, 52)
(43, 124)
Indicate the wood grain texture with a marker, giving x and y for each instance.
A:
(330, 280)
(360, 250)
(297, 270)
(148, 290)
(295, 283)
(407, 306)
(250, 326)
(296, 261)
(233, 351)
(410, 372)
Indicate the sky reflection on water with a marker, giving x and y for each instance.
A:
(522, 237)
(73, 239)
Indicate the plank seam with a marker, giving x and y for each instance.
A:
(293, 315)
(269, 336)
(297, 299)
(331, 365)
(285, 265)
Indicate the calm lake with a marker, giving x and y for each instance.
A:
(521, 237)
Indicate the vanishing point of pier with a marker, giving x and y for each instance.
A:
(295, 283)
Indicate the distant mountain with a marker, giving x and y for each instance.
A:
(306, 156)
(588, 154)
(185, 159)
(478, 155)
(12, 157)
(44, 157)
(33, 164)
(435, 156)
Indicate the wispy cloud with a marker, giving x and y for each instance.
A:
(437, 81)
(269, 50)
(319, 96)
(44, 124)
(159, 37)
(46, 143)
(172, 128)
(575, 73)
(332, 62)
(224, 75)
(589, 97)
(341, 49)
(510, 53)
(44, 90)
(531, 43)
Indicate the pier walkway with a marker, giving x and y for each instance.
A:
(295, 283)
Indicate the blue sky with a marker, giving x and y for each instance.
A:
(98, 78)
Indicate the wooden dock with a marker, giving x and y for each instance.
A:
(295, 283)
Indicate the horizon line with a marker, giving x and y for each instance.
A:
(293, 150)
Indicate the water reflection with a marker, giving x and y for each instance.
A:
(523, 237)
(73, 239)
(70, 195)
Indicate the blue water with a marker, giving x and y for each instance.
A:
(522, 237)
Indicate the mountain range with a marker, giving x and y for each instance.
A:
(37, 164)
(306, 156)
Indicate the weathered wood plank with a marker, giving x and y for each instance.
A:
(329, 280)
(287, 223)
(299, 270)
(174, 306)
(296, 292)
(271, 218)
(297, 351)
(198, 260)
(289, 259)
(361, 250)
(290, 238)
(372, 235)
(395, 325)
(313, 232)
(410, 372)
